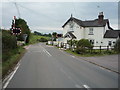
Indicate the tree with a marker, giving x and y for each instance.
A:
(22, 24)
(72, 43)
(54, 35)
(83, 45)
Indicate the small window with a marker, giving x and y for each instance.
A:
(92, 41)
(109, 43)
(90, 31)
(113, 42)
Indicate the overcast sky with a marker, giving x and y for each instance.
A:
(47, 17)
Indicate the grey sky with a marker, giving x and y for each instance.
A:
(50, 16)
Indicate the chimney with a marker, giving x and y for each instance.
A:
(100, 17)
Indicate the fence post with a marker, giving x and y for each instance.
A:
(107, 48)
(100, 49)
(65, 45)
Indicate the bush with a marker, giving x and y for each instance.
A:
(9, 44)
(117, 46)
(83, 45)
(8, 41)
(42, 40)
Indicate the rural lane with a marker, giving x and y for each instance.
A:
(45, 66)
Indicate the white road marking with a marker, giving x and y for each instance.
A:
(44, 50)
(102, 68)
(73, 56)
(47, 52)
(105, 69)
(86, 86)
(69, 77)
(11, 76)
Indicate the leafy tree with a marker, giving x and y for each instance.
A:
(117, 46)
(38, 33)
(54, 35)
(72, 43)
(22, 24)
(43, 39)
(82, 45)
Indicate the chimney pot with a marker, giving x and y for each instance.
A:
(100, 17)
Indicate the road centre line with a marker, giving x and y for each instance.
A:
(69, 77)
(87, 87)
(46, 51)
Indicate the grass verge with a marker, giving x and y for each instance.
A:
(103, 53)
(34, 38)
(10, 63)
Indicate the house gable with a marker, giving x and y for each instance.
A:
(90, 23)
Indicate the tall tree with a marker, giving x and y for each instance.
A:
(54, 35)
(22, 24)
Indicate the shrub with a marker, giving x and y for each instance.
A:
(43, 40)
(8, 41)
(117, 46)
(83, 45)
(9, 44)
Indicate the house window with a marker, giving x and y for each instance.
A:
(109, 43)
(71, 24)
(92, 42)
(90, 31)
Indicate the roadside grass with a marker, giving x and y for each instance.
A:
(94, 53)
(34, 38)
(13, 59)
(13, 56)
(0, 70)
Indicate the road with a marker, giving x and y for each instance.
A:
(48, 67)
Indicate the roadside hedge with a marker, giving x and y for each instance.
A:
(9, 43)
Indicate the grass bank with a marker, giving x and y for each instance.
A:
(95, 53)
(13, 58)
(34, 38)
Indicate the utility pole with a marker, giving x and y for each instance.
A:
(17, 9)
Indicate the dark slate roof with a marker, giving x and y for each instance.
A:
(59, 35)
(89, 23)
(112, 34)
(70, 34)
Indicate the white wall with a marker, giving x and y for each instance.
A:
(80, 32)
(97, 35)
(106, 40)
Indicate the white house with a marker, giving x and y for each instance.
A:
(97, 31)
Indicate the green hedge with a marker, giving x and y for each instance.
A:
(9, 43)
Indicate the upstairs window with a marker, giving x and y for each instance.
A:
(90, 31)
(71, 24)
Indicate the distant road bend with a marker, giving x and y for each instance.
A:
(48, 67)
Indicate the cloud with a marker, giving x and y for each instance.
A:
(50, 16)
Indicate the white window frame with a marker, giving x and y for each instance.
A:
(71, 25)
(90, 31)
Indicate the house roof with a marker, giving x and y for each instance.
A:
(59, 35)
(112, 34)
(89, 23)
(70, 34)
